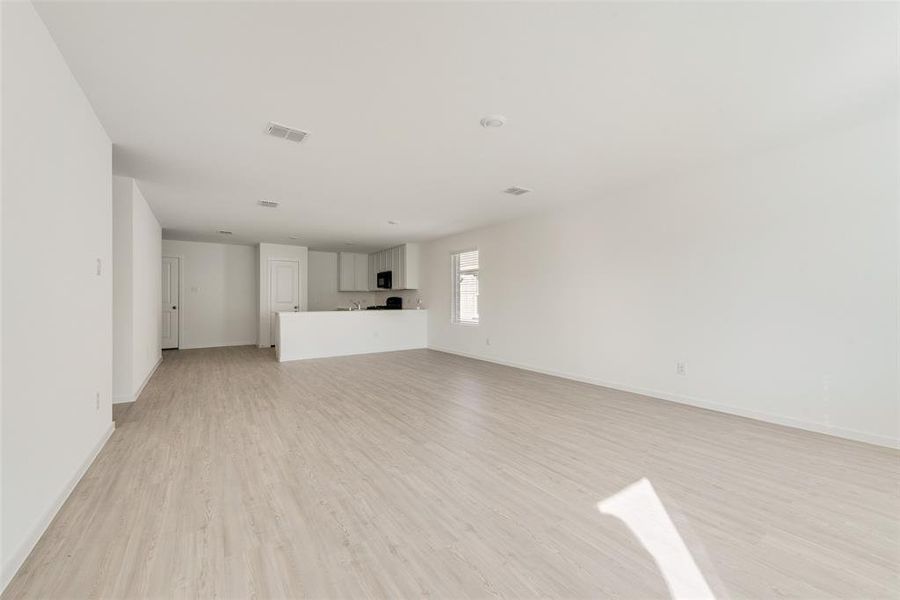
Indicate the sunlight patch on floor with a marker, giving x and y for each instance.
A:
(639, 507)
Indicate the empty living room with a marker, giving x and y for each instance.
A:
(449, 299)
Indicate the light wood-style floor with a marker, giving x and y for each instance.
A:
(422, 474)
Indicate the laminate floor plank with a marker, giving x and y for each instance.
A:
(428, 475)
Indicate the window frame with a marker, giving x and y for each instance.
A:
(454, 288)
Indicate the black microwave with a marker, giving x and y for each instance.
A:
(384, 280)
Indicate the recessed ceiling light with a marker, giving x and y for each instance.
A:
(223, 232)
(393, 223)
(516, 191)
(268, 203)
(349, 244)
(493, 121)
(294, 237)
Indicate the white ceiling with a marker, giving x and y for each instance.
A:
(597, 97)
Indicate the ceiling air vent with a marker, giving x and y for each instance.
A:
(268, 203)
(286, 133)
(223, 232)
(516, 191)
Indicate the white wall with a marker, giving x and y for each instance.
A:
(774, 278)
(5, 568)
(122, 288)
(269, 252)
(137, 255)
(147, 284)
(218, 293)
(57, 311)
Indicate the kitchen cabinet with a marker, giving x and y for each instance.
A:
(410, 266)
(353, 271)
(403, 263)
(396, 268)
(361, 264)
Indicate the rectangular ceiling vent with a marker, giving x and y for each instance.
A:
(286, 133)
(268, 203)
(516, 191)
(224, 232)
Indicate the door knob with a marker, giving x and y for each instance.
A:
(174, 308)
(296, 308)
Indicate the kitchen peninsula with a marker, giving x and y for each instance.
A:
(302, 335)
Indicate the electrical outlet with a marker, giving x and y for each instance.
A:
(680, 368)
(99, 266)
(487, 341)
(97, 405)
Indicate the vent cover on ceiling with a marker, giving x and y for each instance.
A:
(286, 133)
(516, 191)
(223, 232)
(268, 203)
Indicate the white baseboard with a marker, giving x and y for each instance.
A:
(137, 394)
(11, 566)
(217, 345)
(850, 434)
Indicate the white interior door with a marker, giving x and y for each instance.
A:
(284, 290)
(170, 298)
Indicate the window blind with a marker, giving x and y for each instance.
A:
(465, 288)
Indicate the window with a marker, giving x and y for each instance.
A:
(465, 287)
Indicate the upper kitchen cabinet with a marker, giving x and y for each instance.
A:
(353, 272)
(403, 263)
(361, 264)
(409, 266)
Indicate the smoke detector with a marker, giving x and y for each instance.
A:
(286, 133)
(516, 191)
(268, 203)
(492, 121)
